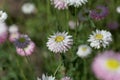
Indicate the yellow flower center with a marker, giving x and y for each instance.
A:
(59, 38)
(112, 64)
(22, 40)
(84, 48)
(99, 36)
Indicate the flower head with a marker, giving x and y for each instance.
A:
(113, 25)
(3, 32)
(28, 8)
(100, 38)
(99, 13)
(118, 9)
(59, 4)
(14, 36)
(83, 51)
(45, 77)
(76, 3)
(82, 15)
(72, 24)
(13, 28)
(24, 45)
(106, 66)
(3, 16)
(26, 51)
(22, 41)
(66, 78)
(59, 42)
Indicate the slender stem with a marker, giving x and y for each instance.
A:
(67, 18)
(76, 29)
(85, 70)
(57, 68)
(18, 63)
(65, 62)
(21, 70)
(48, 10)
(29, 62)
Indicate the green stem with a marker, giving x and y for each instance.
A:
(67, 18)
(21, 71)
(64, 62)
(85, 70)
(57, 68)
(48, 10)
(28, 59)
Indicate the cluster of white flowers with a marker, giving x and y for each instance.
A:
(63, 4)
(61, 42)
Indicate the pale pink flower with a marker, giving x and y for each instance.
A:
(59, 4)
(106, 66)
(3, 32)
(26, 51)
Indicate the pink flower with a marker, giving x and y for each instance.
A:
(24, 45)
(60, 4)
(3, 37)
(3, 32)
(106, 66)
(26, 51)
(103, 12)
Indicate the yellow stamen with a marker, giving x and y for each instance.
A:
(59, 38)
(84, 48)
(112, 64)
(99, 36)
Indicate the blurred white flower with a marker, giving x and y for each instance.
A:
(72, 24)
(66, 78)
(76, 3)
(28, 8)
(46, 77)
(60, 42)
(3, 16)
(118, 9)
(100, 38)
(59, 4)
(83, 51)
(3, 28)
(13, 28)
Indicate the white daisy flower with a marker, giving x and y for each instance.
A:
(118, 9)
(83, 51)
(100, 38)
(3, 16)
(28, 8)
(76, 3)
(60, 42)
(46, 77)
(13, 28)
